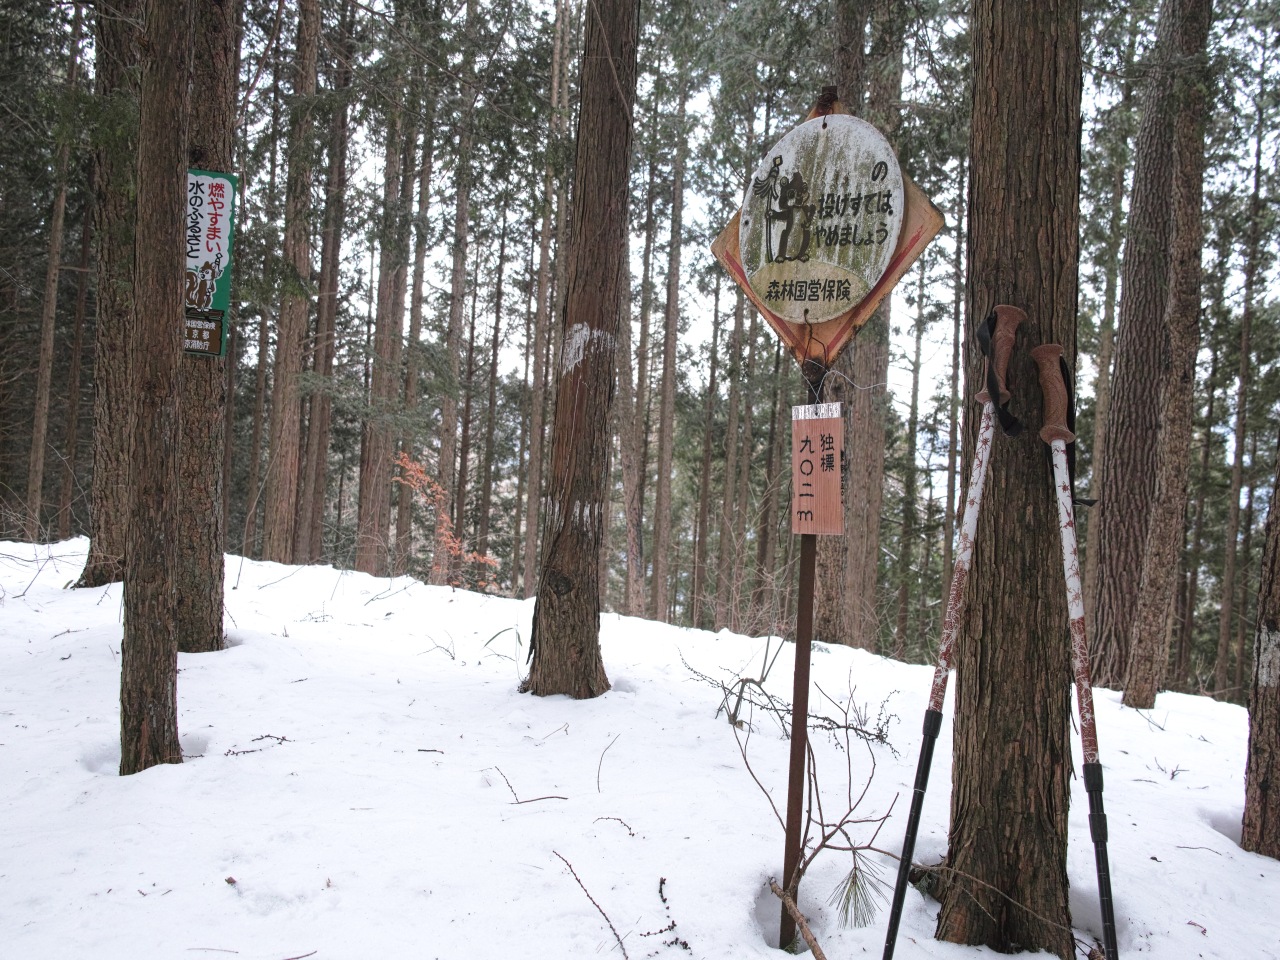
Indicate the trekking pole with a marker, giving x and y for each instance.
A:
(1048, 359)
(997, 337)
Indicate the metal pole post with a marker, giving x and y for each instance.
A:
(799, 730)
(1003, 333)
(1055, 433)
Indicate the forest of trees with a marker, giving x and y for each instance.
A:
(405, 173)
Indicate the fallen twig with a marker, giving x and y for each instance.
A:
(801, 923)
(517, 798)
(601, 763)
(613, 929)
(619, 820)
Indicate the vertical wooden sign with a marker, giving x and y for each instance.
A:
(817, 433)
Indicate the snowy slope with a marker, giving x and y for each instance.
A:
(355, 758)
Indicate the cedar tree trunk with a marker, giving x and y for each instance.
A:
(1005, 879)
(565, 642)
(149, 650)
(203, 379)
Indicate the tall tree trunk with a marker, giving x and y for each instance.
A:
(644, 396)
(667, 415)
(1005, 882)
(373, 523)
(953, 426)
(408, 444)
(698, 590)
(1119, 120)
(1260, 831)
(769, 508)
(115, 60)
(49, 312)
(1128, 449)
(284, 451)
(1246, 548)
(1226, 606)
(629, 454)
(564, 645)
(1149, 640)
(906, 546)
(202, 538)
(491, 414)
(260, 400)
(316, 468)
(835, 602)
(1252, 251)
(149, 649)
(71, 441)
(464, 447)
(848, 567)
(442, 561)
(517, 548)
(740, 595)
(542, 317)
(1186, 629)
(728, 546)
(248, 541)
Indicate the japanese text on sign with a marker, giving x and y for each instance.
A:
(817, 450)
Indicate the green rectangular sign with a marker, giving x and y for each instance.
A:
(210, 222)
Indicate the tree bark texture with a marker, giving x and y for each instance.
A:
(1261, 828)
(1005, 878)
(285, 437)
(149, 650)
(851, 52)
(953, 427)
(202, 539)
(1149, 639)
(565, 643)
(116, 79)
(1127, 481)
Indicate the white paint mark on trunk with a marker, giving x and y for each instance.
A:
(577, 340)
(1268, 658)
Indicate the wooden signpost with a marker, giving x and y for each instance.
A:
(828, 226)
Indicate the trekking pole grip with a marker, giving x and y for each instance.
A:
(1048, 358)
(1008, 318)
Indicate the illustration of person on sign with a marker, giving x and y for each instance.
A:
(786, 201)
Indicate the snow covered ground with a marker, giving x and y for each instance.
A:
(363, 780)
